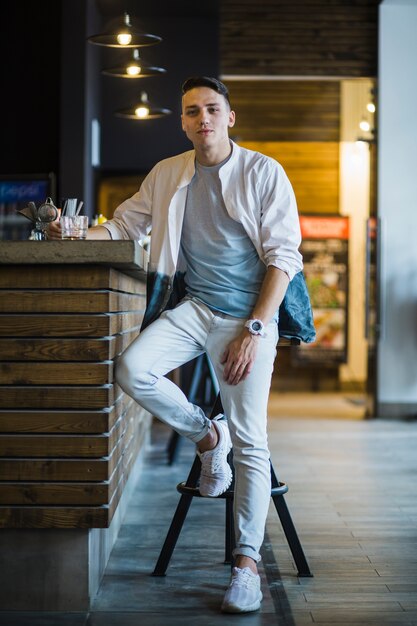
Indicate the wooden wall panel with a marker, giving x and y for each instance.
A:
(313, 169)
(68, 433)
(335, 38)
(285, 110)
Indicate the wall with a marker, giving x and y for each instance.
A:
(189, 47)
(30, 86)
(299, 38)
(397, 206)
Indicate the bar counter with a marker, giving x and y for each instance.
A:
(69, 437)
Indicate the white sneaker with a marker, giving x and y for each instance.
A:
(216, 473)
(244, 593)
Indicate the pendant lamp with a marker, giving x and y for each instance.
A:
(143, 110)
(124, 35)
(135, 67)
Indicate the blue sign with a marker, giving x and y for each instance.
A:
(23, 191)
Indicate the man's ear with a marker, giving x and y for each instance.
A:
(232, 119)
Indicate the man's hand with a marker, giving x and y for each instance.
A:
(239, 357)
(54, 231)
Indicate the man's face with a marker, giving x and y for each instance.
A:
(206, 117)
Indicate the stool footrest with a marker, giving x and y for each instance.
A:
(195, 492)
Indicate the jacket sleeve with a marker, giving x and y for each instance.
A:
(280, 225)
(132, 219)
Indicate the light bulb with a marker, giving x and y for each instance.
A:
(142, 111)
(371, 107)
(124, 39)
(365, 126)
(133, 69)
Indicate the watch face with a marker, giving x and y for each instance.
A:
(256, 326)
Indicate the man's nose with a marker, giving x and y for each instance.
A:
(203, 118)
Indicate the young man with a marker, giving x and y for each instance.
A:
(224, 224)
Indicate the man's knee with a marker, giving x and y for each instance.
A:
(131, 377)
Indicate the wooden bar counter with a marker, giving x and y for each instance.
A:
(69, 437)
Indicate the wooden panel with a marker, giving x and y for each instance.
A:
(29, 349)
(313, 169)
(58, 397)
(64, 422)
(68, 434)
(37, 511)
(49, 421)
(77, 325)
(299, 37)
(81, 446)
(59, 493)
(54, 469)
(76, 446)
(56, 373)
(285, 110)
(54, 517)
(48, 301)
(68, 277)
(128, 460)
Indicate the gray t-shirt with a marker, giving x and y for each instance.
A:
(223, 267)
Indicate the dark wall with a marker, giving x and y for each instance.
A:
(52, 88)
(189, 47)
(30, 86)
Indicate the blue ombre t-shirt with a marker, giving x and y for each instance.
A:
(223, 267)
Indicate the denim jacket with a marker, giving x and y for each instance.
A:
(256, 193)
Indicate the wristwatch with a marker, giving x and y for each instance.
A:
(256, 327)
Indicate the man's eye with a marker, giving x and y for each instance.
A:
(213, 109)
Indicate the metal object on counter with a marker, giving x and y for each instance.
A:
(41, 217)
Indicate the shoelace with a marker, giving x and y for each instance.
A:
(242, 579)
(212, 466)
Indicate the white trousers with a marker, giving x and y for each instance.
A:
(178, 336)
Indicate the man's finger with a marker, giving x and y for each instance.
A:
(224, 356)
(238, 375)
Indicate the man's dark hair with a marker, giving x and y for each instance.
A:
(206, 81)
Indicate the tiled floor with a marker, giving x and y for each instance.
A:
(353, 498)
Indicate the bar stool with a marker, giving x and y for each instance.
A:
(189, 490)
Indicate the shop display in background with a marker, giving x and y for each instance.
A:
(325, 254)
(371, 317)
(16, 192)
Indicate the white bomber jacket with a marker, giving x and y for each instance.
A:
(256, 193)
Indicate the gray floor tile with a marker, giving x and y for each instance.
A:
(181, 618)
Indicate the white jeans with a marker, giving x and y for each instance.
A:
(178, 336)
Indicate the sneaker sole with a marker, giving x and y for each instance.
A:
(229, 482)
(231, 608)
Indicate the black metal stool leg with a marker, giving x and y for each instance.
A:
(289, 530)
(173, 447)
(172, 536)
(177, 522)
(292, 537)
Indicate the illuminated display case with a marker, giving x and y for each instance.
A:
(15, 192)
